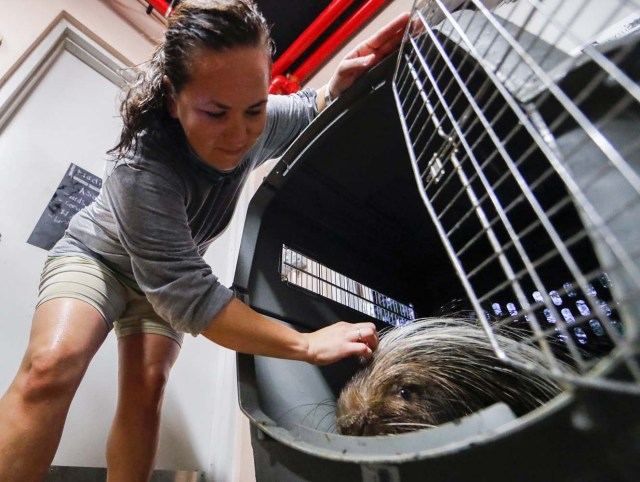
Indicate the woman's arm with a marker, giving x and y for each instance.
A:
(362, 58)
(240, 328)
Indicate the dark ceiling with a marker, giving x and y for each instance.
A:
(288, 19)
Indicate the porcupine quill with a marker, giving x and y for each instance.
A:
(433, 371)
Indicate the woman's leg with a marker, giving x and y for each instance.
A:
(65, 335)
(145, 362)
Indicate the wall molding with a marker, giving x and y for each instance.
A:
(65, 33)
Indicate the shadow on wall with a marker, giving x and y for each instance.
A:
(178, 449)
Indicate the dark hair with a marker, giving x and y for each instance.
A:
(214, 24)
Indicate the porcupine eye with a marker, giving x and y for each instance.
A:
(409, 392)
(405, 393)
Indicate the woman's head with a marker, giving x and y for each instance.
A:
(209, 47)
(219, 25)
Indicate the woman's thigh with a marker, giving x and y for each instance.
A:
(65, 335)
(78, 300)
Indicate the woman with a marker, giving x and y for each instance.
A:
(196, 122)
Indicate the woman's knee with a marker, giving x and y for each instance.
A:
(145, 363)
(146, 386)
(65, 335)
(156, 377)
(51, 373)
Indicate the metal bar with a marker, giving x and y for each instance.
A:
(479, 190)
(503, 261)
(576, 192)
(549, 227)
(596, 136)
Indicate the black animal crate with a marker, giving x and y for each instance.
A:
(364, 219)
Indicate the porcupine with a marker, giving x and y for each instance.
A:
(434, 371)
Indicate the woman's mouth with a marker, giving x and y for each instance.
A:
(233, 151)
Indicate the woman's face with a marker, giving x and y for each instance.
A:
(222, 108)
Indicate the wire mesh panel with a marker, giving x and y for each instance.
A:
(304, 272)
(523, 125)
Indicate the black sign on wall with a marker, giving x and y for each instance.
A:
(77, 189)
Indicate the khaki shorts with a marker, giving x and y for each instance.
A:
(122, 307)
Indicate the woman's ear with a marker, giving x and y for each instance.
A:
(170, 92)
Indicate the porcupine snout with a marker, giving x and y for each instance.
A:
(362, 423)
(354, 415)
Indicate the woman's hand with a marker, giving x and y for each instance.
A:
(341, 340)
(366, 55)
(242, 329)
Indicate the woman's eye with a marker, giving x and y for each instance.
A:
(215, 115)
(254, 113)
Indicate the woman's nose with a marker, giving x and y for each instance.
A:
(236, 132)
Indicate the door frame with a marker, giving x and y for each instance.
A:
(65, 33)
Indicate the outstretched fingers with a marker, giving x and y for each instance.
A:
(367, 54)
(385, 40)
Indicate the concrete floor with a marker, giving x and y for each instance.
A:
(96, 474)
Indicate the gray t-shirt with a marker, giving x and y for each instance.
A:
(158, 212)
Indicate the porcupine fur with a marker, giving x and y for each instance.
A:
(434, 371)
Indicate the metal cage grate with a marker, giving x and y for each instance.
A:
(522, 126)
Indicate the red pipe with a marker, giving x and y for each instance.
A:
(161, 6)
(311, 33)
(337, 38)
